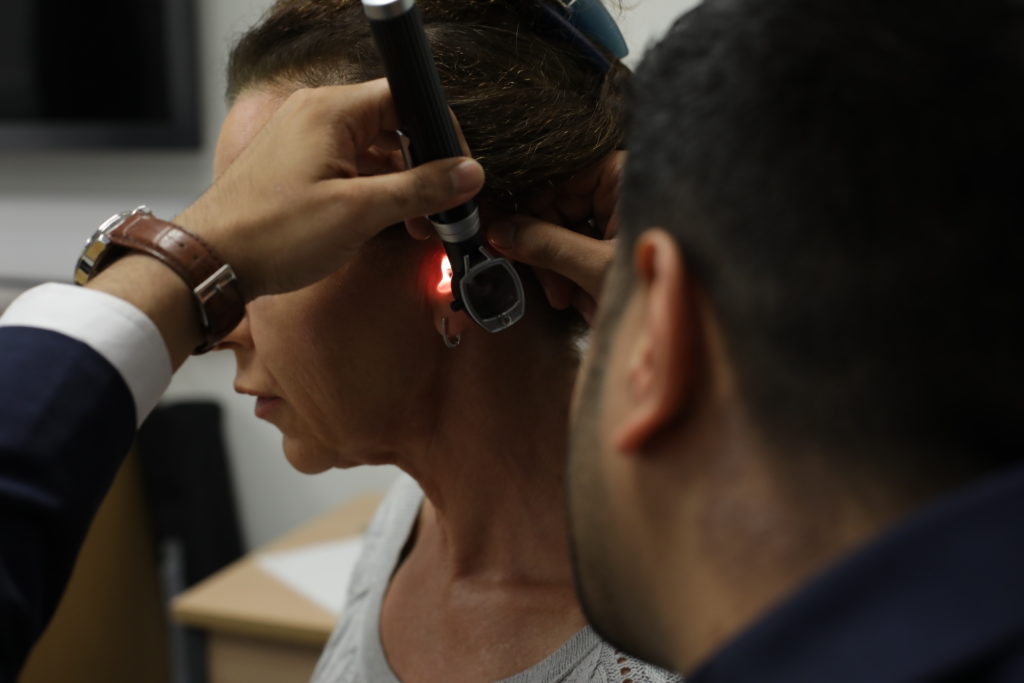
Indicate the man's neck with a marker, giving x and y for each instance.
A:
(754, 543)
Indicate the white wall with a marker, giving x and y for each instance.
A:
(645, 21)
(51, 201)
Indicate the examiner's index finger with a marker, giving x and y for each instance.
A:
(466, 151)
(365, 110)
(591, 194)
(371, 108)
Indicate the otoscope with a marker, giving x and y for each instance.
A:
(486, 286)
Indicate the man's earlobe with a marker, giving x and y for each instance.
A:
(659, 347)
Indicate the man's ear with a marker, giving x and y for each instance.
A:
(658, 350)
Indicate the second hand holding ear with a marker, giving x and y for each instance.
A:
(570, 265)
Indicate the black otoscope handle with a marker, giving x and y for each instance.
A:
(423, 114)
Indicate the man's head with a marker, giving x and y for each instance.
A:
(829, 305)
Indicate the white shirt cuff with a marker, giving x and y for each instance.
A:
(114, 328)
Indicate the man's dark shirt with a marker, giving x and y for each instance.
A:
(939, 597)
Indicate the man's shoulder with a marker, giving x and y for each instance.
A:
(1005, 665)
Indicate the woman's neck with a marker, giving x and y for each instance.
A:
(493, 470)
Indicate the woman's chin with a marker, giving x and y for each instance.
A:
(309, 456)
(304, 459)
(311, 459)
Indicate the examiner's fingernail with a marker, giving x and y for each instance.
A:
(502, 234)
(467, 176)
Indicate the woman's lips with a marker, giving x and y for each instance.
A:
(265, 405)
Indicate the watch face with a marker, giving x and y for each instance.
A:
(97, 244)
(93, 248)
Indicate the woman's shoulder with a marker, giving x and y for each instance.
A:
(614, 666)
(388, 532)
(397, 510)
(586, 658)
(383, 541)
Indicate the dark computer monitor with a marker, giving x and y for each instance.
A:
(116, 73)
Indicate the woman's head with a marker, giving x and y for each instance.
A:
(532, 107)
(357, 356)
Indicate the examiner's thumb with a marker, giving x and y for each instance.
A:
(391, 198)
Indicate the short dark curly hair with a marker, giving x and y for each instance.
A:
(846, 182)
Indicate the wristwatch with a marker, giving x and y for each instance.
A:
(220, 301)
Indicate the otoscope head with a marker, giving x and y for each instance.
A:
(486, 286)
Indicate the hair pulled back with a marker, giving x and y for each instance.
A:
(533, 109)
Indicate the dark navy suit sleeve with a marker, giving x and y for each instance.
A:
(67, 420)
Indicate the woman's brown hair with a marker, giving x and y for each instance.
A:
(533, 109)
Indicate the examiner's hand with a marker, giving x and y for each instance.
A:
(569, 236)
(311, 187)
(300, 199)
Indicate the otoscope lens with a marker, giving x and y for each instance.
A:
(491, 291)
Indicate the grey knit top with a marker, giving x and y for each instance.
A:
(354, 653)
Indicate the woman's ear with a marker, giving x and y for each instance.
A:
(449, 324)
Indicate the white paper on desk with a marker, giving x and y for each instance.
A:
(320, 572)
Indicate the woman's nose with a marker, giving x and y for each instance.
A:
(238, 339)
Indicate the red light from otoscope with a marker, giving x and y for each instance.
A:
(445, 285)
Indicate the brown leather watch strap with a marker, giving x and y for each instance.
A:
(220, 301)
